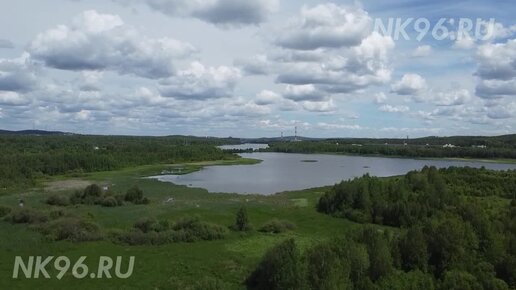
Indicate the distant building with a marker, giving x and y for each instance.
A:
(449, 146)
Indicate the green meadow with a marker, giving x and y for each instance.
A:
(223, 263)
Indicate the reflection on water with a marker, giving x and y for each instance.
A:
(281, 171)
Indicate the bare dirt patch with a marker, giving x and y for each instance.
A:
(68, 184)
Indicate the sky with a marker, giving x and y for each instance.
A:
(256, 68)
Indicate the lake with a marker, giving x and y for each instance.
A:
(284, 171)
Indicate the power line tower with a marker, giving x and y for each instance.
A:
(295, 133)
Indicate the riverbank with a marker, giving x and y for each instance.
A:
(500, 161)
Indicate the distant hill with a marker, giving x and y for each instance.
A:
(33, 132)
(278, 139)
(463, 141)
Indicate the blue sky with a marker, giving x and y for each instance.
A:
(256, 68)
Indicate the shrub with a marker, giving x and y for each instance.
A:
(145, 225)
(134, 194)
(4, 210)
(192, 229)
(55, 214)
(58, 200)
(71, 229)
(242, 220)
(27, 216)
(92, 191)
(277, 226)
(109, 201)
(148, 231)
(119, 199)
(93, 195)
(140, 238)
(76, 197)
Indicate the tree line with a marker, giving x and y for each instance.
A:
(389, 149)
(23, 159)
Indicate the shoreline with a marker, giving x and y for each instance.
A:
(465, 159)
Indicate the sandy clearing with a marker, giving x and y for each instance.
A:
(68, 184)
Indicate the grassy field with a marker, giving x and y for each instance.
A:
(225, 263)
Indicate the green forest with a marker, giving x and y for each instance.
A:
(443, 229)
(501, 147)
(23, 159)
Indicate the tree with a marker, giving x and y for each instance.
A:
(414, 280)
(325, 271)
(452, 243)
(242, 220)
(413, 250)
(459, 280)
(280, 269)
(380, 258)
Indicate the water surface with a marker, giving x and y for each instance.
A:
(281, 171)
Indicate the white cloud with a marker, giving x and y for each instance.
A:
(256, 65)
(410, 84)
(422, 51)
(394, 109)
(380, 98)
(199, 82)
(96, 41)
(320, 106)
(304, 93)
(360, 67)
(224, 13)
(12, 99)
(17, 75)
(464, 42)
(452, 97)
(333, 126)
(496, 69)
(326, 26)
(267, 97)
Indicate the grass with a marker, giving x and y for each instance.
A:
(172, 266)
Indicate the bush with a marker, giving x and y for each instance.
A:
(119, 199)
(27, 216)
(92, 191)
(58, 200)
(4, 210)
(55, 214)
(76, 197)
(134, 195)
(277, 226)
(109, 201)
(192, 229)
(93, 195)
(148, 231)
(71, 229)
